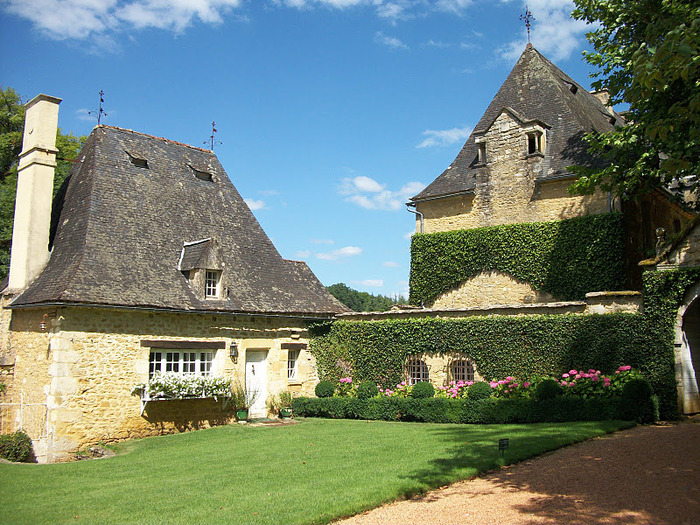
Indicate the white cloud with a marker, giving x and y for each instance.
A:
(453, 6)
(390, 264)
(389, 41)
(84, 114)
(370, 283)
(302, 254)
(371, 195)
(553, 31)
(321, 241)
(342, 253)
(409, 234)
(255, 205)
(80, 19)
(444, 137)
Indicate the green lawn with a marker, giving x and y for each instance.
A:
(312, 472)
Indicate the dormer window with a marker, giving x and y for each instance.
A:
(480, 150)
(212, 281)
(202, 175)
(138, 161)
(536, 138)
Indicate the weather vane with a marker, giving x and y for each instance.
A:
(212, 141)
(100, 112)
(528, 18)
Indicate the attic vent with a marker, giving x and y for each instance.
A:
(612, 120)
(138, 161)
(202, 175)
(573, 88)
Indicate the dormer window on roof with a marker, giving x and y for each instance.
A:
(212, 286)
(480, 150)
(202, 174)
(536, 138)
(137, 161)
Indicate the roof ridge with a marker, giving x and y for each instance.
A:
(117, 128)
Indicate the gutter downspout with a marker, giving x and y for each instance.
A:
(410, 205)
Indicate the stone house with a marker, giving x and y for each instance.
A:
(513, 169)
(148, 260)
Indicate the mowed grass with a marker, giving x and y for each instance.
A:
(312, 472)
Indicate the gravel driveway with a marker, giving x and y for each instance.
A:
(644, 475)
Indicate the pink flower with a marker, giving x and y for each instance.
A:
(526, 384)
(403, 383)
(594, 378)
(573, 372)
(493, 384)
(563, 383)
(578, 376)
(617, 372)
(565, 374)
(591, 371)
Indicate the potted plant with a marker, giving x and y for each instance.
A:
(242, 399)
(285, 404)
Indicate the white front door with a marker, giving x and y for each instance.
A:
(256, 380)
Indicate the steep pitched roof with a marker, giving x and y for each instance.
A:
(135, 206)
(536, 90)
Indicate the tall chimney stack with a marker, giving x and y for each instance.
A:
(30, 233)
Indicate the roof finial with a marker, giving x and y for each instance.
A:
(212, 141)
(527, 17)
(100, 112)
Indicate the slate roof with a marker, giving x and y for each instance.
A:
(538, 90)
(120, 228)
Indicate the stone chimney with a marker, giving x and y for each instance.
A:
(30, 233)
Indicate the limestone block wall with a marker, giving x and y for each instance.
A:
(84, 366)
(687, 253)
(490, 288)
(506, 191)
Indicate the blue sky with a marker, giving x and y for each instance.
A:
(330, 113)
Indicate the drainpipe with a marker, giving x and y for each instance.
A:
(410, 205)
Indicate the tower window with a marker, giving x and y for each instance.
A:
(534, 142)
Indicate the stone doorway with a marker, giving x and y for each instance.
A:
(688, 352)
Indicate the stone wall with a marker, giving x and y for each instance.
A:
(506, 191)
(84, 366)
(490, 288)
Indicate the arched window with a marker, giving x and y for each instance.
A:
(417, 371)
(462, 370)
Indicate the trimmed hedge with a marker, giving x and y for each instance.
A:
(16, 447)
(489, 411)
(565, 258)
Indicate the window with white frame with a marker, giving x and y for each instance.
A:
(292, 363)
(417, 371)
(212, 279)
(462, 370)
(183, 362)
(535, 142)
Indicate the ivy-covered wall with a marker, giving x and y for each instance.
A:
(565, 258)
(519, 346)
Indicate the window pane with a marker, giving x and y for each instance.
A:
(172, 362)
(205, 359)
(189, 362)
(292, 362)
(417, 371)
(154, 363)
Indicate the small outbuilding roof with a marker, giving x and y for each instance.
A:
(138, 211)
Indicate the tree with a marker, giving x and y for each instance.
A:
(11, 129)
(362, 301)
(648, 55)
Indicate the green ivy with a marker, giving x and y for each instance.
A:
(565, 258)
(519, 346)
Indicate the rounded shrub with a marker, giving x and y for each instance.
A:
(325, 389)
(16, 446)
(366, 390)
(641, 403)
(422, 390)
(548, 389)
(479, 390)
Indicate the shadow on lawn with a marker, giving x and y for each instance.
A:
(645, 475)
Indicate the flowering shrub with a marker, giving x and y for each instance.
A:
(580, 383)
(454, 390)
(346, 388)
(175, 386)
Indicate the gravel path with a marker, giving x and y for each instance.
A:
(644, 475)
